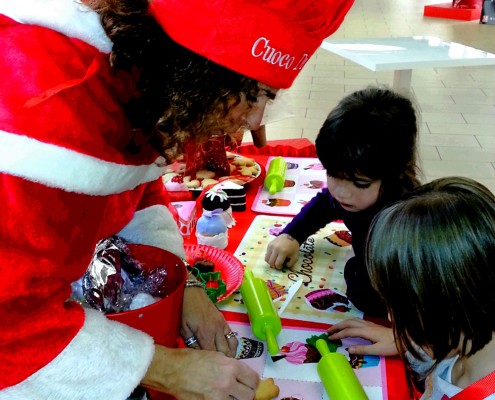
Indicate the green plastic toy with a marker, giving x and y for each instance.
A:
(212, 283)
(337, 375)
(275, 177)
(265, 322)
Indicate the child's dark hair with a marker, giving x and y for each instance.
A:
(431, 257)
(372, 133)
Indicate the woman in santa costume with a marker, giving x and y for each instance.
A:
(96, 98)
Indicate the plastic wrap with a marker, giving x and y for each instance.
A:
(114, 280)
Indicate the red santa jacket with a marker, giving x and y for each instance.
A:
(67, 182)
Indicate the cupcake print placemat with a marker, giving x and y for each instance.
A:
(304, 177)
(293, 368)
(321, 297)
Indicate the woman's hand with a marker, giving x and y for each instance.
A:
(201, 319)
(200, 374)
(282, 251)
(382, 338)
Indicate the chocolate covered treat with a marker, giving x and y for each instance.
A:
(204, 266)
(236, 194)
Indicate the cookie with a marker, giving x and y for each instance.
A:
(205, 174)
(204, 266)
(248, 170)
(243, 161)
(266, 390)
(191, 184)
(208, 182)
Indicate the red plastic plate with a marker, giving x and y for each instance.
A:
(231, 269)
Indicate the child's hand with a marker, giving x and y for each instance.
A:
(282, 251)
(382, 338)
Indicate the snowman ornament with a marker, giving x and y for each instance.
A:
(212, 226)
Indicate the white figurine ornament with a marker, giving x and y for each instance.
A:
(212, 226)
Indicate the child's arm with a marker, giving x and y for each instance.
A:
(313, 216)
(284, 250)
(382, 338)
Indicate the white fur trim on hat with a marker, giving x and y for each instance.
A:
(106, 360)
(69, 17)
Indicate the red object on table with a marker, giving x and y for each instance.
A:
(448, 11)
(161, 320)
(397, 387)
(297, 148)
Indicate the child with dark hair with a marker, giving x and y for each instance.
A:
(431, 258)
(368, 147)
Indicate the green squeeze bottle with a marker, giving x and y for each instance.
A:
(265, 322)
(337, 375)
(275, 177)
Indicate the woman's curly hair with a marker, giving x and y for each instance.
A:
(182, 94)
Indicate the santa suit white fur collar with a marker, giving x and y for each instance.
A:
(70, 17)
(76, 20)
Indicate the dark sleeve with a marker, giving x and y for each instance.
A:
(312, 217)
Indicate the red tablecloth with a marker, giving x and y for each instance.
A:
(295, 148)
(397, 387)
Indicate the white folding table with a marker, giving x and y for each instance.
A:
(402, 54)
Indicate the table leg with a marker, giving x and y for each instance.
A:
(402, 80)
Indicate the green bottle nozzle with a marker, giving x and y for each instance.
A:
(275, 177)
(265, 322)
(337, 375)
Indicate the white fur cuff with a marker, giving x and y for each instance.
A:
(106, 360)
(155, 226)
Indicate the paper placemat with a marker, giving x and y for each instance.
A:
(293, 368)
(304, 177)
(322, 257)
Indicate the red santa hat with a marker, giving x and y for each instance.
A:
(267, 40)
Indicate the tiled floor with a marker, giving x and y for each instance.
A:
(457, 104)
